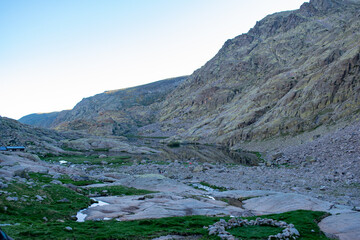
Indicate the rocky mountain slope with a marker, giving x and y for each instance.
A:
(39, 140)
(116, 112)
(292, 72)
(44, 120)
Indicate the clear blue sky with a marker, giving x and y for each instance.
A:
(53, 53)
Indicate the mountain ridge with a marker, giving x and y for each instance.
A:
(112, 112)
(292, 72)
(44, 120)
(242, 93)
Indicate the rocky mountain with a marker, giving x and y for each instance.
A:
(292, 72)
(44, 120)
(115, 112)
(39, 140)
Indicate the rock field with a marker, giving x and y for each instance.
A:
(319, 175)
(302, 177)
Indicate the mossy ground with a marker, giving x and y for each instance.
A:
(48, 218)
(91, 160)
(45, 178)
(148, 229)
(28, 208)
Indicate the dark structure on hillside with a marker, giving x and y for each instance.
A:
(13, 148)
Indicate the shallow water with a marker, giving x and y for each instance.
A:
(81, 215)
(206, 188)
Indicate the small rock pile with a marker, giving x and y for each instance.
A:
(219, 228)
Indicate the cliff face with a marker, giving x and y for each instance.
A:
(292, 72)
(117, 112)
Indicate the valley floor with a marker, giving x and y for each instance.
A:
(307, 176)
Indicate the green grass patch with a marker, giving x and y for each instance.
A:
(92, 160)
(254, 232)
(45, 178)
(116, 190)
(28, 207)
(258, 155)
(221, 189)
(304, 221)
(127, 230)
(224, 200)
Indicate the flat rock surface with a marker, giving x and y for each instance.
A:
(158, 206)
(285, 202)
(243, 193)
(344, 226)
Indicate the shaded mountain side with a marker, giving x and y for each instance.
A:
(117, 112)
(44, 120)
(35, 139)
(292, 72)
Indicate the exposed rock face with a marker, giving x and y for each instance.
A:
(292, 72)
(115, 112)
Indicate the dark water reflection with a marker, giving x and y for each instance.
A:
(190, 152)
(211, 154)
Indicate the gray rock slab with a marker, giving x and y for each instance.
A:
(284, 202)
(158, 206)
(243, 193)
(345, 226)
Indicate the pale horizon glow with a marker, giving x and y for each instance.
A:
(54, 53)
